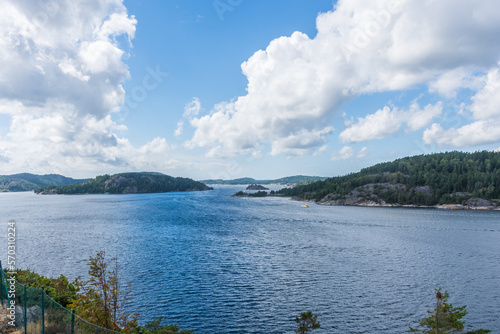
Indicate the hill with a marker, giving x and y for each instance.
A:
(465, 179)
(297, 180)
(28, 182)
(128, 183)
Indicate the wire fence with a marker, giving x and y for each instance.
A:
(28, 310)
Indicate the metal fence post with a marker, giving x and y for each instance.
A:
(72, 322)
(25, 311)
(43, 310)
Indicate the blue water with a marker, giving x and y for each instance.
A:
(218, 264)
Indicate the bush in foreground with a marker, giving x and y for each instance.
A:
(445, 318)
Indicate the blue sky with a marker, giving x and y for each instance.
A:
(234, 88)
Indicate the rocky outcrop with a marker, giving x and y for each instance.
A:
(472, 204)
(256, 187)
(363, 196)
(367, 196)
(116, 181)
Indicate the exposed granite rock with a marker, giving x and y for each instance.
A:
(451, 207)
(426, 190)
(479, 202)
(115, 181)
(366, 196)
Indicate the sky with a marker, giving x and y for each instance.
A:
(239, 88)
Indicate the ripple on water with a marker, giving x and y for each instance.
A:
(218, 264)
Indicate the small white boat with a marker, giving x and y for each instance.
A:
(305, 205)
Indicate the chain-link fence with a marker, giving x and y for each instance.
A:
(27, 310)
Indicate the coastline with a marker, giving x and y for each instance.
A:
(388, 205)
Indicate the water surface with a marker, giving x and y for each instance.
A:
(218, 264)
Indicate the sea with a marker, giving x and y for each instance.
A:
(213, 263)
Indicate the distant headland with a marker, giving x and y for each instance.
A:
(127, 183)
(452, 180)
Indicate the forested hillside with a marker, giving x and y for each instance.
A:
(443, 178)
(296, 179)
(28, 182)
(127, 183)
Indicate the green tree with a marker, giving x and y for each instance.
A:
(101, 301)
(445, 318)
(60, 289)
(307, 322)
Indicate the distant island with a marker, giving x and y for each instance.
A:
(256, 187)
(127, 183)
(452, 180)
(289, 180)
(29, 182)
(255, 194)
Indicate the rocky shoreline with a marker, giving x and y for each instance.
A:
(472, 204)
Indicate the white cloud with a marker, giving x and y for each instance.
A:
(344, 153)
(486, 102)
(385, 122)
(59, 140)
(193, 108)
(417, 118)
(381, 124)
(476, 133)
(485, 112)
(449, 82)
(297, 83)
(348, 152)
(320, 150)
(62, 70)
(362, 153)
(179, 129)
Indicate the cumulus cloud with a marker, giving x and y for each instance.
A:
(387, 121)
(486, 118)
(193, 108)
(297, 83)
(447, 83)
(62, 73)
(363, 152)
(348, 152)
(344, 153)
(179, 129)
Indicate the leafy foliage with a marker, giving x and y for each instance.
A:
(306, 322)
(129, 183)
(102, 301)
(451, 178)
(255, 194)
(445, 318)
(60, 289)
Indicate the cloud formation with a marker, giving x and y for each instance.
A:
(485, 112)
(298, 83)
(385, 122)
(60, 81)
(348, 152)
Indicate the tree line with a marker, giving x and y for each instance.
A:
(451, 178)
(135, 182)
